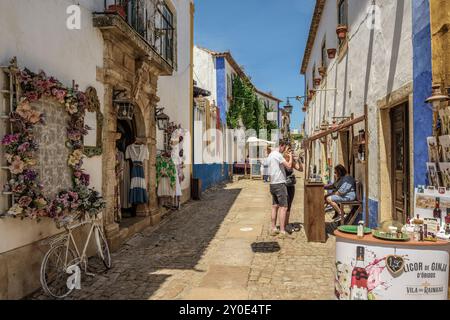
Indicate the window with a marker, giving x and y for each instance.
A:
(324, 53)
(313, 74)
(342, 12)
(165, 31)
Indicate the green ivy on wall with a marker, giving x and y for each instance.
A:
(248, 108)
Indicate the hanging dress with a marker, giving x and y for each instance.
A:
(138, 189)
(176, 147)
(165, 176)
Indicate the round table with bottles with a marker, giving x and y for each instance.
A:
(374, 269)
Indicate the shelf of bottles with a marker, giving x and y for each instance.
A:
(8, 99)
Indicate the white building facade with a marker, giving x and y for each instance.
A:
(372, 65)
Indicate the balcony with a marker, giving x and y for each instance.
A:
(146, 25)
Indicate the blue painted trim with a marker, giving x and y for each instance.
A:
(210, 174)
(221, 84)
(373, 213)
(422, 74)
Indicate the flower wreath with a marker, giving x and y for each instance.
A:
(21, 146)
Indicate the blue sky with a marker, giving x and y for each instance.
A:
(267, 37)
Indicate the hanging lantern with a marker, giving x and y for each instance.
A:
(437, 98)
(162, 119)
(288, 107)
(125, 109)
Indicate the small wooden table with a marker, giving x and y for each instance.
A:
(314, 212)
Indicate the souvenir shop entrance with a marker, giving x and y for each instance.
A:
(127, 130)
(131, 156)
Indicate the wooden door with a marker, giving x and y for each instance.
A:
(400, 162)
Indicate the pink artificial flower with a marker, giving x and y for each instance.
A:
(10, 139)
(77, 174)
(60, 94)
(23, 147)
(32, 96)
(25, 201)
(17, 165)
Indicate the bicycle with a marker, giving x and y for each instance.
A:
(60, 269)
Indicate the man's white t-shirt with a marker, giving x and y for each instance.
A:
(277, 171)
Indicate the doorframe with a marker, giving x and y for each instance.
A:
(407, 170)
(402, 95)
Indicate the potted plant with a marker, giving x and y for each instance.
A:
(317, 81)
(341, 31)
(118, 8)
(311, 94)
(331, 53)
(323, 71)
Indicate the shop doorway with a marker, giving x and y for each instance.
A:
(400, 162)
(128, 131)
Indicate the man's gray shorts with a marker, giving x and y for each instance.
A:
(279, 195)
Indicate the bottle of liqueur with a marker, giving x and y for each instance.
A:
(437, 212)
(417, 223)
(358, 289)
(447, 223)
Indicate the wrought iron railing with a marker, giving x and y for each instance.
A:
(151, 19)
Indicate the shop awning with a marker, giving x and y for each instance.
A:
(337, 128)
(259, 141)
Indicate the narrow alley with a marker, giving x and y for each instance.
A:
(218, 248)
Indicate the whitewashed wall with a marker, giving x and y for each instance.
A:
(174, 91)
(205, 72)
(35, 32)
(367, 73)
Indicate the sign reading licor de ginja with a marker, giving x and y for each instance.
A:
(424, 276)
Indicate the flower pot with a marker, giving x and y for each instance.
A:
(115, 8)
(331, 53)
(322, 71)
(311, 94)
(341, 31)
(304, 109)
(317, 81)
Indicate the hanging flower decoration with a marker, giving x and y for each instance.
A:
(20, 148)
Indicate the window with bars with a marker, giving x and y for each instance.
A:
(166, 33)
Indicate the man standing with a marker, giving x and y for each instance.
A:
(277, 171)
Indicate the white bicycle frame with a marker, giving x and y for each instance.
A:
(68, 238)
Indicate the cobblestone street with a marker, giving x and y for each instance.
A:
(219, 248)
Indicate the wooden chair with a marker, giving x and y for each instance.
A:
(356, 206)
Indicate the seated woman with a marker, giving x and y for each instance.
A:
(344, 189)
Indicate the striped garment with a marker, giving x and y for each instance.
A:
(138, 189)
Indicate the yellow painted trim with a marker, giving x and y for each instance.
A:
(191, 87)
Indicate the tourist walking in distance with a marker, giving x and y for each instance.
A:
(277, 172)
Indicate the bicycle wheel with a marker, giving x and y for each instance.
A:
(53, 271)
(102, 247)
